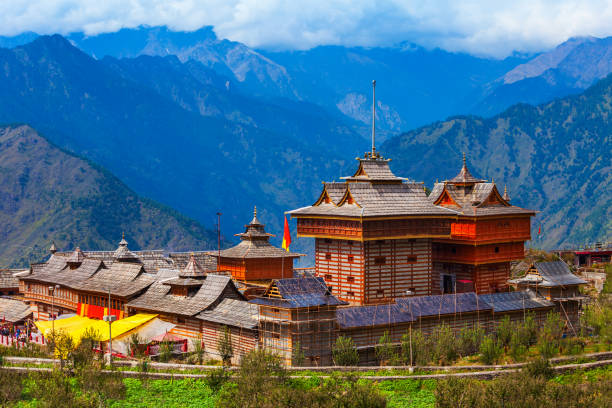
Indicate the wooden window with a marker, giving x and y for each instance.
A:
(276, 335)
(275, 310)
(351, 258)
(180, 320)
(328, 277)
(351, 294)
(380, 292)
(328, 256)
(411, 259)
(380, 260)
(454, 250)
(380, 242)
(350, 279)
(328, 241)
(496, 249)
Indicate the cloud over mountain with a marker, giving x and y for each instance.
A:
(474, 26)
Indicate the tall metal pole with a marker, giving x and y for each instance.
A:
(110, 337)
(373, 118)
(218, 239)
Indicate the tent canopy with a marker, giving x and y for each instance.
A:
(76, 326)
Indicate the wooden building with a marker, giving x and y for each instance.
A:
(298, 316)
(254, 259)
(487, 235)
(556, 282)
(373, 234)
(9, 283)
(198, 304)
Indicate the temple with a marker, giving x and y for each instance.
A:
(379, 237)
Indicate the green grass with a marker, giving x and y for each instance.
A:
(166, 393)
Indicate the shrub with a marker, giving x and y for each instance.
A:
(216, 378)
(344, 352)
(540, 367)
(444, 345)
(297, 356)
(421, 348)
(83, 354)
(469, 341)
(504, 331)
(102, 386)
(165, 351)
(517, 347)
(198, 349)
(456, 392)
(385, 351)
(11, 385)
(224, 345)
(490, 351)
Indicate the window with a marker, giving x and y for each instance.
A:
(350, 279)
(380, 260)
(411, 259)
(328, 256)
(328, 241)
(454, 250)
(275, 310)
(350, 294)
(328, 277)
(380, 292)
(351, 258)
(180, 320)
(496, 250)
(380, 242)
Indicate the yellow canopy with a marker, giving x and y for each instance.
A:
(76, 326)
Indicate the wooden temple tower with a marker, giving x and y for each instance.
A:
(255, 259)
(487, 235)
(373, 234)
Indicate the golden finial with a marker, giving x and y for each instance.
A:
(255, 211)
(122, 234)
(492, 180)
(505, 190)
(436, 181)
(463, 159)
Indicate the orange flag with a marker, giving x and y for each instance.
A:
(286, 236)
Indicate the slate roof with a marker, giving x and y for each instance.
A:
(7, 278)
(425, 306)
(158, 298)
(375, 200)
(254, 243)
(511, 301)
(13, 310)
(232, 312)
(124, 279)
(550, 274)
(299, 292)
(360, 316)
(471, 194)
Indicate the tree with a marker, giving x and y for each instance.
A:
(490, 351)
(224, 345)
(297, 356)
(344, 352)
(385, 351)
(198, 349)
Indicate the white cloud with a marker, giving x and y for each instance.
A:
(476, 26)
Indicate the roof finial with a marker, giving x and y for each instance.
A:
(255, 211)
(373, 118)
(122, 234)
(463, 159)
(506, 196)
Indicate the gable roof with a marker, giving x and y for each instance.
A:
(434, 305)
(549, 274)
(374, 169)
(511, 301)
(298, 292)
(232, 312)
(158, 298)
(13, 310)
(124, 279)
(8, 279)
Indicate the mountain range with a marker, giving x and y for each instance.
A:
(48, 194)
(203, 124)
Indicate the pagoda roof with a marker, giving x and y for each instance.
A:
(372, 200)
(374, 169)
(192, 269)
(122, 253)
(464, 176)
(76, 257)
(255, 243)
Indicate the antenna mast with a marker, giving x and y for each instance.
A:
(373, 118)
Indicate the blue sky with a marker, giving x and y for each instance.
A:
(483, 27)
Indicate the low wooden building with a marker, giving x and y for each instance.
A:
(189, 297)
(556, 282)
(298, 316)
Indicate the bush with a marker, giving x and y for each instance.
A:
(504, 331)
(469, 341)
(198, 349)
(11, 385)
(83, 355)
(444, 345)
(540, 367)
(344, 352)
(421, 348)
(224, 345)
(518, 349)
(165, 351)
(216, 378)
(101, 386)
(297, 356)
(490, 351)
(385, 351)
